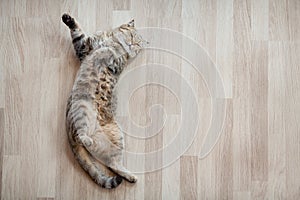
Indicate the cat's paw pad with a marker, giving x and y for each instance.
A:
(68, 20)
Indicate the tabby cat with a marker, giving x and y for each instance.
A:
(92, 131)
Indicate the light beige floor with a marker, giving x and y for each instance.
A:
(256, 46)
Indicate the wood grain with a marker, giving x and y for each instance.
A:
(241, 105)
(259, 111)
(2, 122)
(188, 177)
(276, 112)
(255, 45)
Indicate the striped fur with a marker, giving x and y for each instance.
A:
(92, 131)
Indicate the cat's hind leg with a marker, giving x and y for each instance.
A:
(119, 169)
(79, 39)
(109, 154)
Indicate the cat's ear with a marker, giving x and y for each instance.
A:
(131, 23)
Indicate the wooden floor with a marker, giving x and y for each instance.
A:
(255, 44)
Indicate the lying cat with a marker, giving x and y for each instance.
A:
(93, 133)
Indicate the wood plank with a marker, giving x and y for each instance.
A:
(31, 92)
(291, 52)
(11, 177)
(2, 124)
(13, 82)
(223, 155)
(170, 171)
(153, 142)
(260, 20)
(47, 143)
(241, 195)
(13, 8)
(284, 20)
(225, 45)
(259, 111)
(276, 112)
(188, 177)
(3, 51)
(121, 5)
(199, 23)
(241, 107)
(66, 164)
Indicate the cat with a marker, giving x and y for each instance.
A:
(92, 131)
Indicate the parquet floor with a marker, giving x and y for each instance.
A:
(255, 46)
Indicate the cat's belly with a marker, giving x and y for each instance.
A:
(104, 98)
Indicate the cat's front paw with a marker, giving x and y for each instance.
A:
(85, 141)
(132, 179)
(68, 20)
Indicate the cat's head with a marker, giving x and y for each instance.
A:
(133, 42)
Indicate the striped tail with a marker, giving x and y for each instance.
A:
(88, 164)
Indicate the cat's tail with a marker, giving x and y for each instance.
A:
(87, 162)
